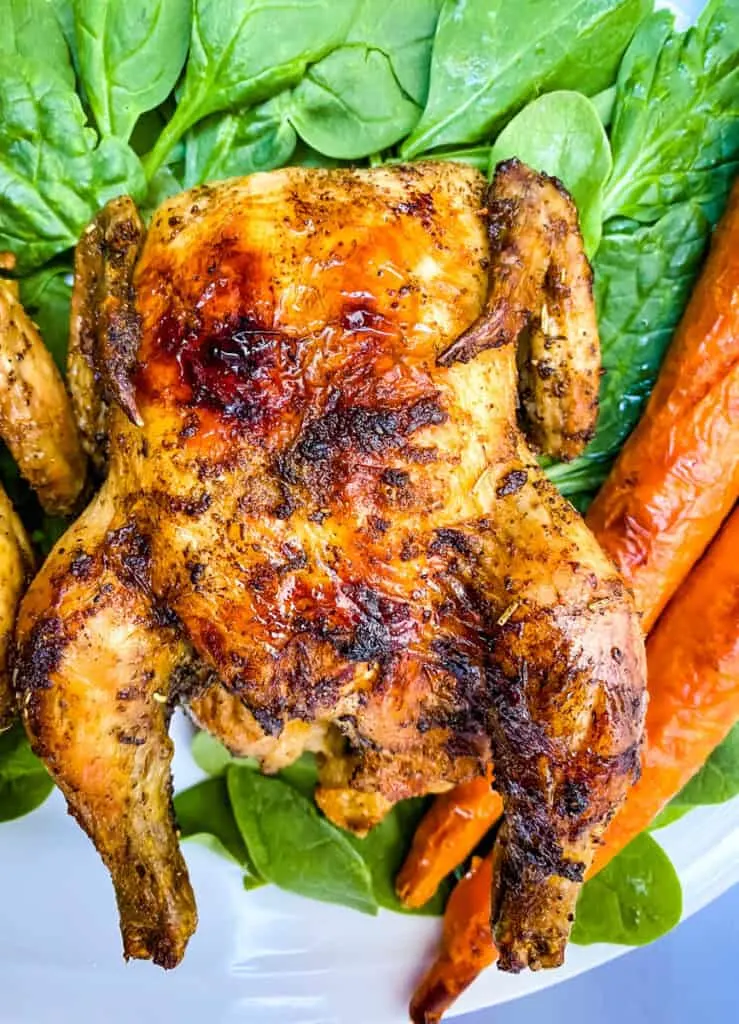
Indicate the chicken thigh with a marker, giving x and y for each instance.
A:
(323, 528)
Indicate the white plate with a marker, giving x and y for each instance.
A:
(262, 957)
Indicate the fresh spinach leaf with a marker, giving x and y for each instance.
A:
(302, 775)
(675, 133)
(633, 900)
(64, 14)
(405, 34)
(53, 176)
(350, 104)
(243, 52)
(226, 145)
(204, 814)
(362, 97)
(212, 757)
(385, 848)
(668, 816)
(367, 95)
(491, 56)
(292, 846)
(476, 156)
(305, 156)
(643, 277)
(24, 782)
(718, 779)
(46, 296)
(561, 133)
(604, 103)
(130, 54)
(209, 754)
(30, 29)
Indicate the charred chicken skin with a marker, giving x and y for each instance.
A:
(323, 528)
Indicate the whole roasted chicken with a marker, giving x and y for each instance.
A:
(323, 528)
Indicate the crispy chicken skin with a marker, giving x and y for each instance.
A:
(318, 489)
(16, 564)
(37, 425)
(36, 421)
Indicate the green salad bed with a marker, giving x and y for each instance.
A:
(147, 97)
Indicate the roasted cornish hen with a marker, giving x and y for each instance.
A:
(322, 527)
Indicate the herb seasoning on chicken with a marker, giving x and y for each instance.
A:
(323, 528)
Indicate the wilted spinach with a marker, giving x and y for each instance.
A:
(130, 54)
(561, 133)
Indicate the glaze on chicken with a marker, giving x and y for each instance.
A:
(323, 528)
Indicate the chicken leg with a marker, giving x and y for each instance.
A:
(95, 662)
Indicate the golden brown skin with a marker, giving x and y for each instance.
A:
(104, 327)
(16, 565)
(346, 525)
(94, 664)
(541, 296)
(37, 426)
(36, 420)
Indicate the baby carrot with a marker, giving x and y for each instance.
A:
(466, 946)
(448, 834)
(693, 671)
(677, 476)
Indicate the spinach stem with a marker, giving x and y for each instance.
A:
(184, 118)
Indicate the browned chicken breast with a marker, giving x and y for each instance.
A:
(37, 425)
(319, 497)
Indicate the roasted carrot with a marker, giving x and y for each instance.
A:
(693, 670)
(677, 476)
(466, 946)
(448, 834)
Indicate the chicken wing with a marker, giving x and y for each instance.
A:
(35, 415)
(36, 424)
(104, 325)
(16, 564)
(317, 446)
